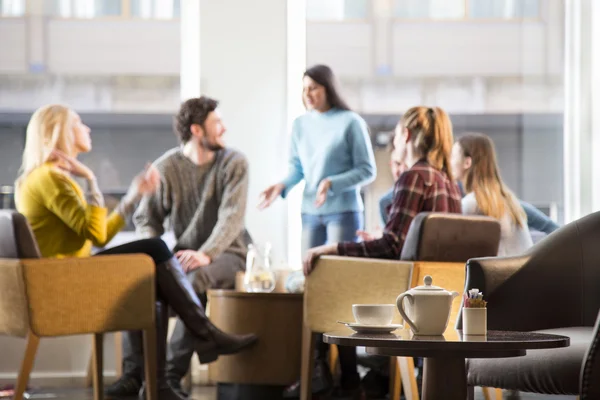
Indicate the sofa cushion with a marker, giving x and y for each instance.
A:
(549, 371)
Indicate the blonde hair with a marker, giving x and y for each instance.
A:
(47, 131)
(431, 133)
(493, 197)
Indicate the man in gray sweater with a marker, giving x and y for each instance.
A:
(202, 195)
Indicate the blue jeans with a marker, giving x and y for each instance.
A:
(318, 230)
(332, 228)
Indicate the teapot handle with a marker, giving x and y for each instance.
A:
(400, 305)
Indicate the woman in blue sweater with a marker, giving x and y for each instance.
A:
(331, 150)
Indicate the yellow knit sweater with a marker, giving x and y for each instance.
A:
(63, 223)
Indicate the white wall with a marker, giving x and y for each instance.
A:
(59, 361)
(475, 49)
(346, 47)
(90, 47)
(139, 47)
(13, 45)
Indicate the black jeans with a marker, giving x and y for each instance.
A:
(347, 359)
(155, 248)
(160, 253)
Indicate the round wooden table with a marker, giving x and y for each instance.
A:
(444, 373)
(276, 318)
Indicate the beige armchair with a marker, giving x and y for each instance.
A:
(332, 288)
(437, 244)
(44, 297)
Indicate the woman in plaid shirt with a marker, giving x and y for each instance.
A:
(424, 141)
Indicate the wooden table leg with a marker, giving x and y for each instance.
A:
(444, 378)
(98, 369)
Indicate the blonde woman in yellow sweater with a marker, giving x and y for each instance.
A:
(67, 221)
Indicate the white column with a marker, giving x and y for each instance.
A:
(581, 133)
(250, 55)
(36, 33)
(594, 48)
(190, 71)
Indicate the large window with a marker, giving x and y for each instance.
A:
(503, 9)
(157, 9)
(83, 8)
(12, 8)
(145, 9)
(466, 9)
(336, 10)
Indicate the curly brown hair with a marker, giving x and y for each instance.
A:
(192, 111)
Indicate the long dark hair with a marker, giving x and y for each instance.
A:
(323, 75)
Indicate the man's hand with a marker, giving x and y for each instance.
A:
(191, 259)
(313, 254)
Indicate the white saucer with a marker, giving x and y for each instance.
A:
(361, 328)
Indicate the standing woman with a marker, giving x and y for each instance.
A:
(66, 222)
(331, 150)
(474, 163)
(423, 143)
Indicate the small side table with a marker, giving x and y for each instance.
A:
(445, 376)
(277, 320)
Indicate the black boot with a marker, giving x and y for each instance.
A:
(125, 386)
(174, 287)
(165, 392)
(130, 382)
(322, 382)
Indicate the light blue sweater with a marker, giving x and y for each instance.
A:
(335, 145)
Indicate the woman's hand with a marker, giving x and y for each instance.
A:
(368, 236)
(365, 236)
(268, 196)
(322, 190)
(147, 181)
(71, 165)
(313, 254)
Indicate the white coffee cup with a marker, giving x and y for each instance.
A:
(373, 314)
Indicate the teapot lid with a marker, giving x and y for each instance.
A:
(428, 286)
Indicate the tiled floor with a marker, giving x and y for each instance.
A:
(199, 393)
(209, 393)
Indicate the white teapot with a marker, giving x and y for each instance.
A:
(428, 308)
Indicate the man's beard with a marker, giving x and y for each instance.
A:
(207, 145)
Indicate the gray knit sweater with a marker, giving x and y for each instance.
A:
(205, 205)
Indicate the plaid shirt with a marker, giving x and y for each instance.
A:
(422, 188)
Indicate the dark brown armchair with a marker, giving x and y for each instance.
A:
(554, 288)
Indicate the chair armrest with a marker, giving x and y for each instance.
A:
(71, 296)
(338, 282)
(524, 293)
(589, 385)
(14, 319)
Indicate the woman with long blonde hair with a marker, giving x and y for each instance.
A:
(67, 221)
(423, 142)
(474, 163)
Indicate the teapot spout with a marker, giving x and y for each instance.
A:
(454, 294)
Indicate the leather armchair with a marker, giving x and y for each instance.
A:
(554, 288)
